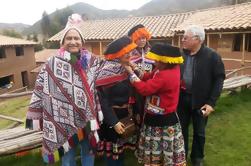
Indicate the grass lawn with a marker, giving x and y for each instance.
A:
(228, 141)
(15, 107)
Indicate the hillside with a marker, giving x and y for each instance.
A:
(19, 27)
(89, 11)
(154, 7)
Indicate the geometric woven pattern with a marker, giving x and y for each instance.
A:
(59, 102)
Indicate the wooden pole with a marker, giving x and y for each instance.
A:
(100, 48)
(10, 118)
(12, 95)
(248, 41)
(179, 42)
(208, 40)
(173, 41)
(243, 49)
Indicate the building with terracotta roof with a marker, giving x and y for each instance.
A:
(99, 33)
(16, 61)
(41, 57)
(228, 31)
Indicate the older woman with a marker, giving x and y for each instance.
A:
(114, 88)
(64, 104)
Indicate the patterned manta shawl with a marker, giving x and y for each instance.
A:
(139, 58)
(64, 103)
(111, 73)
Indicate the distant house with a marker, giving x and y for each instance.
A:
(228, 31)
(40, 58)
(16, 61)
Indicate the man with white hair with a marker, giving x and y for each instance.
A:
(202, 77)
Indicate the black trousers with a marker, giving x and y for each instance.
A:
(186, 114)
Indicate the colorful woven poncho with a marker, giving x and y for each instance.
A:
(64, 104)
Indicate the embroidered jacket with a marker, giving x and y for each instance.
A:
(161, 89)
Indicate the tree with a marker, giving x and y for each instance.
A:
(12, 33)
(34, 38)
(28, 37)
(45, 25)
(64, 14)
(38, 47)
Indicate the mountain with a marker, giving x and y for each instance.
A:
(19, 27)
(154, 7)
(161, 7)
(81, 8)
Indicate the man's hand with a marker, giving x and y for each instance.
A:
(133, 65)
(119, 128)
(207, 109)
(128, 69)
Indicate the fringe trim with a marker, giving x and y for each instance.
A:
(73, 141)
(94, 125)
(141, 32)
(100, 116)
(110, 149)
(33, 124)
(165, 59)
(122, 52)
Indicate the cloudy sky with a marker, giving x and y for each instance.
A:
(30, 11)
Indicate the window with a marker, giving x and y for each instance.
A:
(19, 51)
(237, 43)
(248, 42)
(25, 80)
(6, 82)
(152, 42)
(2, 53)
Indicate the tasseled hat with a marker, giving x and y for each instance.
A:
(73, 22)
(139, 31)
(165, 53)
(119, 47)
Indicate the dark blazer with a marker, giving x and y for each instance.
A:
(208, 77)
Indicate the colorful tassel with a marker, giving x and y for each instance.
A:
(96, 136)
(75, 139)
(71, 142)
(36, 125)
(100, 116)
(46, 158)
(28, 124)
(66, 146)
(56, 156)
(51, 158)
(80, 134)
(61, 151)
(94, 125)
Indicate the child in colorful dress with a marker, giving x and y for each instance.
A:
(140, 36)
(161, 141)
